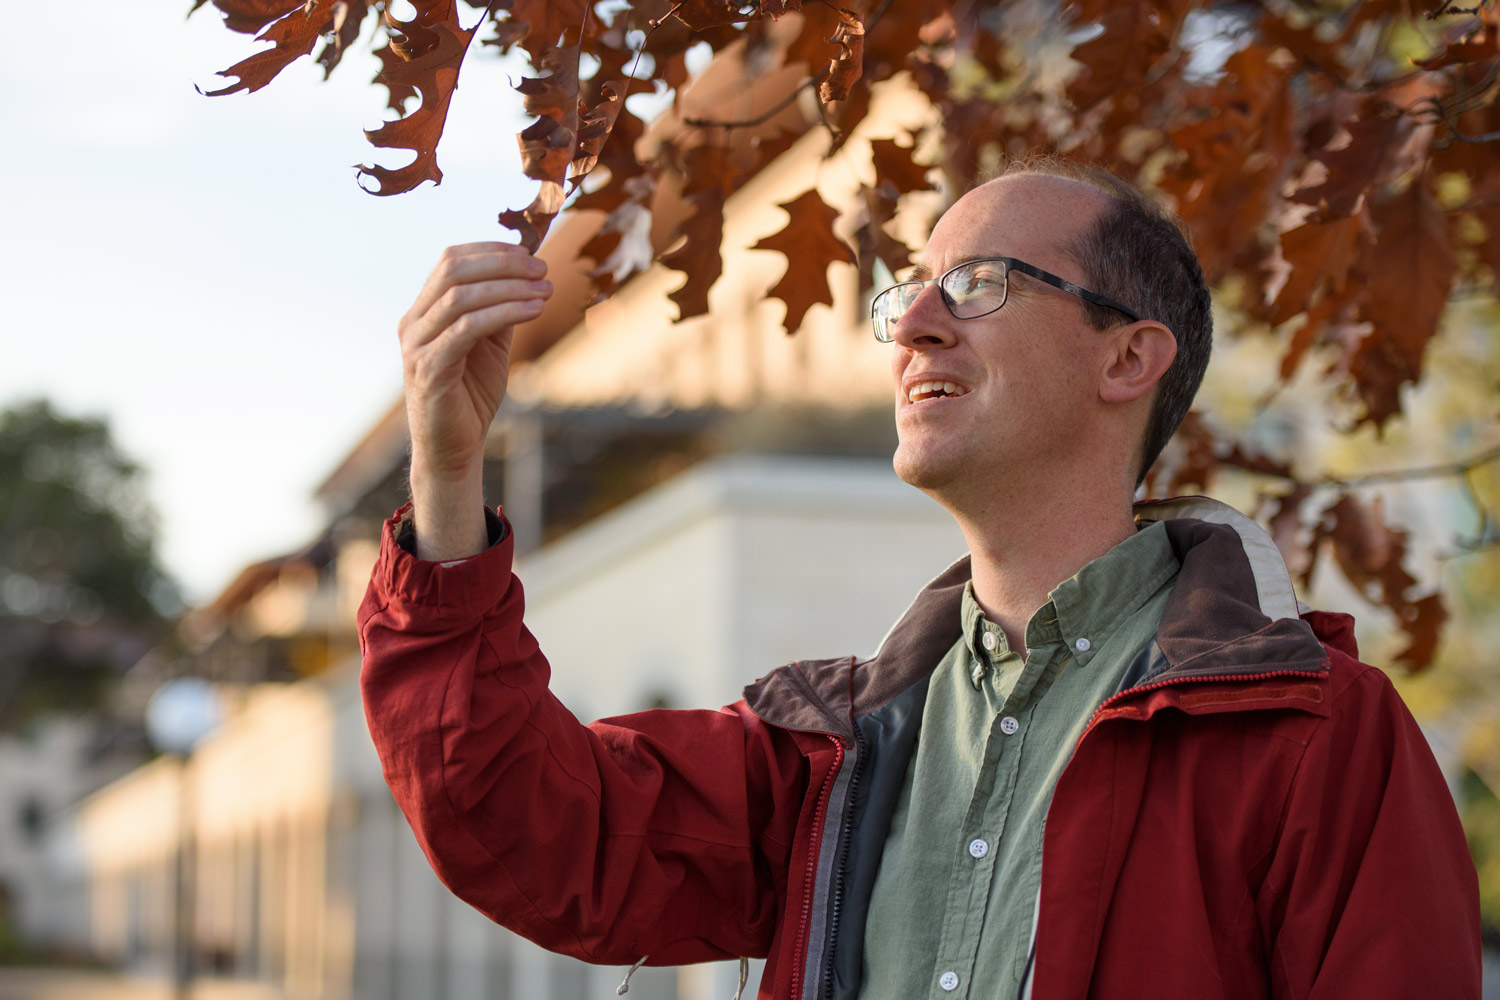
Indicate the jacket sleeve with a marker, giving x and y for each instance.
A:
(1371, 892)
(664, 833)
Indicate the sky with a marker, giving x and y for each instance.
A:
(206, 274)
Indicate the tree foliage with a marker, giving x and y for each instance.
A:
(82, 595)
(1337, 163)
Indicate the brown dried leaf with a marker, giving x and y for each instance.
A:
(438, 48)
(249, 16)
(700, 15)
(1222, 194)
(622, 248)
(1410, 273)
(893, 38)
(1370, 555)
(1319, 257)
(595, 126)
(896, 172)
(845, 69)
(1307, 334)
(1356, 158)
(1135, 35)
(537, 25)
(1303, 43)
(1478, 47)
(1291, 535)
(391, 62)
(1190, 459)
(292, 37)
(699, 256)
(1422, 621)
(874, 242)
(548, 144)
(348, 15)
(810, 246)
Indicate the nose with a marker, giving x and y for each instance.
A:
(927, 324)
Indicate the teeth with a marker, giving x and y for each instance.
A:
(924, 389)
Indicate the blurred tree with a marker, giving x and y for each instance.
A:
(82, 595)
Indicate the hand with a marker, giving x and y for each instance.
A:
(455, 350)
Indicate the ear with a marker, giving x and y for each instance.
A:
(1142, 353)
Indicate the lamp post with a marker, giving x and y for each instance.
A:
(178, 716)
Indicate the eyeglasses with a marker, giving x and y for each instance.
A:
(973, 289)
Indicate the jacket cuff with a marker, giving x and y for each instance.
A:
(462, 587)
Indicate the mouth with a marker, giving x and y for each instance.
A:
(916, 392)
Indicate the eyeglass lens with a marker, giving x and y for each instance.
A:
(969, 290)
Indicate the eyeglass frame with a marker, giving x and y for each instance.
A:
(1011, 264)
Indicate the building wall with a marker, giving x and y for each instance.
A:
(734, 568)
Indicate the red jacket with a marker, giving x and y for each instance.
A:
(1255, 815)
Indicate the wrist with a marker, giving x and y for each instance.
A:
(448, 514)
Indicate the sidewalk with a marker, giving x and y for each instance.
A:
(71, 984)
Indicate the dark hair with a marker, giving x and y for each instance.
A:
(1139, 254)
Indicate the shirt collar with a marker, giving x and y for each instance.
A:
(1086, 608)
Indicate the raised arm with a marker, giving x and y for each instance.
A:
(455, 350)
(664, 833)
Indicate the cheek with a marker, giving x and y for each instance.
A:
(899, 360)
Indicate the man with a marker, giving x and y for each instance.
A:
(1101, 757)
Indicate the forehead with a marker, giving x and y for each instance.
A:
(1029, 216)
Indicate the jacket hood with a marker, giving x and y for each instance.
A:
(1232, 612)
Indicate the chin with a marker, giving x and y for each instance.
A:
(924, 471)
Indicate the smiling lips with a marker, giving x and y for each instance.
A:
(933, 390)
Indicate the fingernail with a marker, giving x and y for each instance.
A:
(542, 287)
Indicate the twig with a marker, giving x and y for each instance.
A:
(760, 119)
(1462, 467)
(1446, 7)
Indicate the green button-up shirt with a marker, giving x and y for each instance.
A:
(955, 897)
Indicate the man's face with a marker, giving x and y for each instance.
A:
(1023, 379)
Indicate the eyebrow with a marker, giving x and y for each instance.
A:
(920, 272)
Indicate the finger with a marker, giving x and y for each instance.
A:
(445, 354)
(460, 300)
(472, 262)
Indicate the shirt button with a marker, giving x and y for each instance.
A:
(1009, 725)
(978, 848)
(990, 642)
(1081, 644)
(948, 980)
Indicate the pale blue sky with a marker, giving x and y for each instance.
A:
(206, 273)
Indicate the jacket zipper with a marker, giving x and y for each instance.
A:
(800, 952)
(840, 870)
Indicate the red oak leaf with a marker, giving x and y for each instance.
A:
(438, 48)
(702, 14)
(548, 144)
(699, 256)
(1410, 274)
(292, 37)
(1319, 257)
(844, 70)
(1135, 34)
(249, 16)
(810, 246)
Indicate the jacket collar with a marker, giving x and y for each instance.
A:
(1232, 613)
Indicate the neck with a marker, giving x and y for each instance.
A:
(1021, 549)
